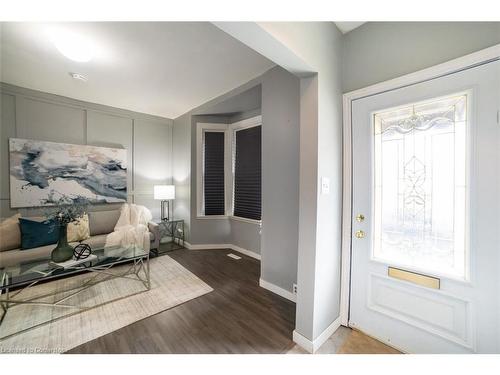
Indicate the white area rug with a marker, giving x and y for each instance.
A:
(171, 285)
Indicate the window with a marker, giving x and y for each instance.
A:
(213, 176)
(420, 201)
(247, 173)
(229, 170)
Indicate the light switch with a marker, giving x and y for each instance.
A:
(325, 185)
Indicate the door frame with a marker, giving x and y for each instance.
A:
(453, 66)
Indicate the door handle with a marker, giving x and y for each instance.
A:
(359, 234)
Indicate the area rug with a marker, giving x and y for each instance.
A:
(171, 285)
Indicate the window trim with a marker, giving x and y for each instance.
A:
(229, 159)
(234, 128)
(201, 129)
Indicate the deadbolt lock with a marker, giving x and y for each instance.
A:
(360, 234)
(360, 218)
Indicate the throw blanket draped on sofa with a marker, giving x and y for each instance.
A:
(131, 228)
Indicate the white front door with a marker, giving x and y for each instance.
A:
(425, 239)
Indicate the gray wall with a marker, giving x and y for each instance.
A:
(181, 170)
(280, 175)
(246, 235)
(319, 45)
(217, 231)
(36, 115)
(227, 108)
(378, 51)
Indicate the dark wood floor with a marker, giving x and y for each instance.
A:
(237, 317)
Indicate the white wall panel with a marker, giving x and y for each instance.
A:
(153, 155)
(47, 121)
(112, 131)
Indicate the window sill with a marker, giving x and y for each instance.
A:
(235, 218)
(245, 220)
(212, 217)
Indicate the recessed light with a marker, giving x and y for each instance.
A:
(78, 76)
(74, 46)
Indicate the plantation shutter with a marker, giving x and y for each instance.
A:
(214, 173)
(247, 173)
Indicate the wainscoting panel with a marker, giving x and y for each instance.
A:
(434, 311)
(46, 121)
(108, 130)
(8, 130)
(42, 116)
(153, 155)
(147, 199)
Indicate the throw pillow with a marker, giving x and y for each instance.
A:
(79, 230)
(10, 234)
(38, 233)
(103, 222)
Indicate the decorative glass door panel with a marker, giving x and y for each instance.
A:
(420, 186)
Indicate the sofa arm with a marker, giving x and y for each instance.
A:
(146, 242)
(154, 228)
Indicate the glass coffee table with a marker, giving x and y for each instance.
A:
(22, 286)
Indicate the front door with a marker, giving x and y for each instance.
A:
(425, 240)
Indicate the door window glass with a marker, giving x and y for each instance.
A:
(420, 194)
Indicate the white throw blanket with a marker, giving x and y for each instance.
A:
(131, 228)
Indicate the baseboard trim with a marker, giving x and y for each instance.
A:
(278, 290)
(191, 246)
(313, 346)
(246, 252)
(303, 342)
(221, 246)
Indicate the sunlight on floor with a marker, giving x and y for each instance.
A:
(348, 341)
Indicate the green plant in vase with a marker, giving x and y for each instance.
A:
(68, 210)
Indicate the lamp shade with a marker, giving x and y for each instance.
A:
(164, 192)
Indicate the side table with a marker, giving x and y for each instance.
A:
(174, 231)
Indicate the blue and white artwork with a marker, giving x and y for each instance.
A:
(42, 172)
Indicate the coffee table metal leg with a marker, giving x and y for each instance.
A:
(4, 304)
(148, 273)
(143, 273)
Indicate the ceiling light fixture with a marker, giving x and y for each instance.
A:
(74, 46)
(78, 76)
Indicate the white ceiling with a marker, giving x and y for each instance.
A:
(345, 27)
(160, 68)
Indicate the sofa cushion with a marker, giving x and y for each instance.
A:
(38, 233)
(79, 230)
(18, 256)
(10, 233)
(96, 242)
(103, 222)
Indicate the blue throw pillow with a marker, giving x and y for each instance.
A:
(38, 233)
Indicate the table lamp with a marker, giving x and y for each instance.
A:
(164, 193)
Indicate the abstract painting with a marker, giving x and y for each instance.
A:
(42, 172)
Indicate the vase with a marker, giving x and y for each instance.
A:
(63, 251)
